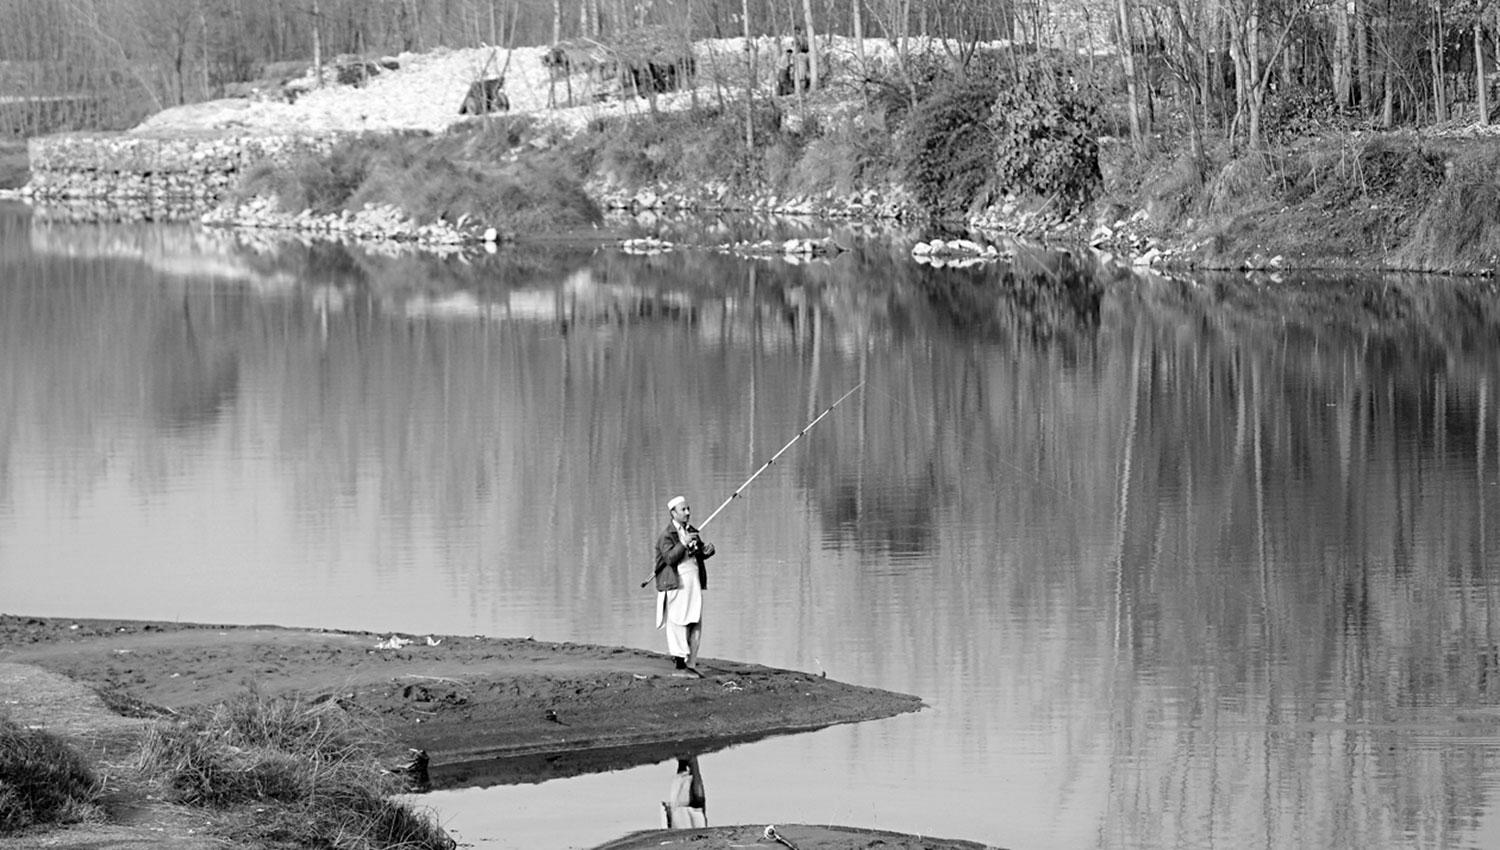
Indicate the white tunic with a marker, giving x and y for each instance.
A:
(685, 604)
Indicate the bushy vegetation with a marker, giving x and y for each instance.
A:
(994, 128)
(675, 146)
(15, 168)
(948, 152)
(1459, 226)
(42, 780)
(1377, 199)
(1392, 171)
(1045, 137)
(467, 172)
(311, 760)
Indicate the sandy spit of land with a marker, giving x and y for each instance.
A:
(464, 699)
(487, 710)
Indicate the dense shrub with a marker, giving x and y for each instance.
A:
(310, 759)
(1025, 128)
(1045, 137)
(42, 780)
(1298, 112)
(1394, 173)
(15, 166)
(947, 150)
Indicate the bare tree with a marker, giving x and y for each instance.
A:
(1480, 86)
(749, 80)
(1343, 55)
(812, 45)
(1127, 62)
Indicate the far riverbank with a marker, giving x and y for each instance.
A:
(1353, 202)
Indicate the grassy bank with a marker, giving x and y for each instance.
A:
(504, 173)
(15, 169)
(1341, 201)
(262, 771)
(43, 781)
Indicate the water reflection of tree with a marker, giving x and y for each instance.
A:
(190, 376)
(102, 359)
(1280, 434)
(1043, 298)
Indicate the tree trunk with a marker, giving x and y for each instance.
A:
(1127, 62)
(1208, 42)
(1241, 77)
(750, 81)
(1362, 55)
(1143, 80)
(812, 45)
(1250, 78)
(1435, 50)
(317, 22)
(1343, 57)
(859, 36)
(684, 67)
(903, 30)
(1286, 70)
(1481, 88)
(208, 81)
(1388, 100)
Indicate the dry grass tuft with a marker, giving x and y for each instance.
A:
(463, 174)
(312, 762)
(42, 780)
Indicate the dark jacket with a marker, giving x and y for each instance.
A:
(670, 552)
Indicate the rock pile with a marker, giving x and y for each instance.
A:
(371, 223)
(957, 252)
(717, 196)
(91, 166)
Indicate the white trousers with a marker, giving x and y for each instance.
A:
(677, 639)
(676, 609)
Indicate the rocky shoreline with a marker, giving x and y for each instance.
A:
(102, 178)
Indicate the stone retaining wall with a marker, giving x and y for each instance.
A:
(118, 166)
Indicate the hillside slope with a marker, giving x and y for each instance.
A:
(426, 91)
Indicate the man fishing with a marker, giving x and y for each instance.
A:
(681, 579)
(680, 575)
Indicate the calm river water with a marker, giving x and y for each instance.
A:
(1207, 563)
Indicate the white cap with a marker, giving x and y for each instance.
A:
(676, 500)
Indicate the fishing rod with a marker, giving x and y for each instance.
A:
(767, 464)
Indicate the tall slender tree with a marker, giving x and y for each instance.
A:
(1126, 24)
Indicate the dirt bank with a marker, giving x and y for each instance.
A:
(797, 836)
(487, 710)
(477, 705)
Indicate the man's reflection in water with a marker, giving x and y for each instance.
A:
(685, 806)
